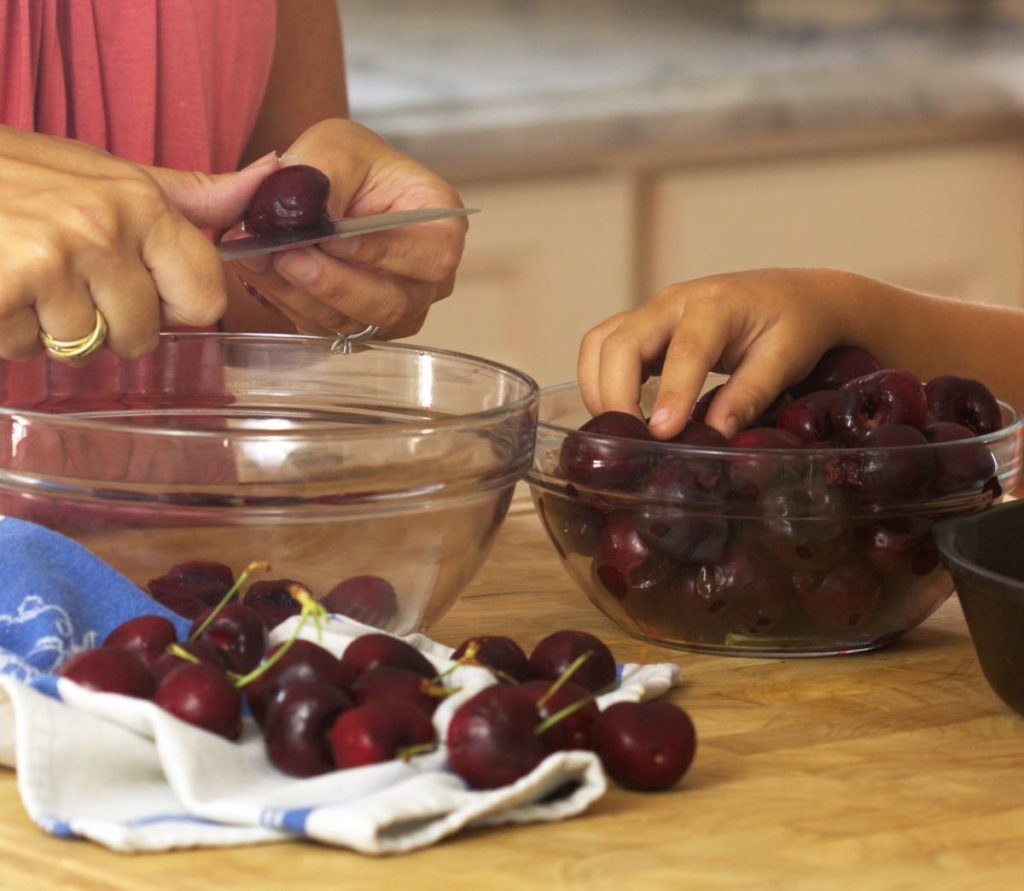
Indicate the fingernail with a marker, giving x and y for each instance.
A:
(300, 266)
(661, 417)
(258, 264)
(260, 161)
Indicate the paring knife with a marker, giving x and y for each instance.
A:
(252, 245)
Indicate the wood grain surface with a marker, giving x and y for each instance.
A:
(893, 770)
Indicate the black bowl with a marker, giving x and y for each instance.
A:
(985, 554)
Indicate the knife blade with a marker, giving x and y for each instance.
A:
(253, 245)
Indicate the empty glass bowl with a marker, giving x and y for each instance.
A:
(758, 551)
(390, 460)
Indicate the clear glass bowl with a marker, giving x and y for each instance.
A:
(391, 460)
(755, 551)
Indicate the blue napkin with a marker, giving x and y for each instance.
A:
(57, 597)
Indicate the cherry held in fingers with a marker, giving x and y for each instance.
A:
(645, 745)
(290, 198)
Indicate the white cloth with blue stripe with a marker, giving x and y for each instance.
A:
(126, 774)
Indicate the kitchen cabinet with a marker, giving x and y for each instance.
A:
(545, 260)
(550, 257)
(949, 220)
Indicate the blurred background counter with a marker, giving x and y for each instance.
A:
(616, 147)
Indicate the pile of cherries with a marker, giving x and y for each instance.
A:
(375, 703)
(734, 540)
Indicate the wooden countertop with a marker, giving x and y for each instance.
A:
(898, 769)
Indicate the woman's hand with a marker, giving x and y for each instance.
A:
(389, 279)
(82, 230)
(766, 328)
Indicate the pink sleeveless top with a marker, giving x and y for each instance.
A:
(176, 83)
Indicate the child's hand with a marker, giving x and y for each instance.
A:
(765, 327)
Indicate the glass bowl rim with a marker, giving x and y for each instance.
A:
(1013, 429)
(325, 429)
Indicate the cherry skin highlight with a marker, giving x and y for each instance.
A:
(293, 197)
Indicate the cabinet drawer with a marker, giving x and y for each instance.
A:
(947, 220)
(545, 260)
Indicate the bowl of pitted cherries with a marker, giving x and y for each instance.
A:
(808, 533)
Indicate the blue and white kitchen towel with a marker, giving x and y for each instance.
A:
(126, 774)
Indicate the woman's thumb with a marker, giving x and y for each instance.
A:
(213, 200)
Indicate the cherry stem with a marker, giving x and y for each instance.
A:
(571, 708)
(469, 658)
(243, 577)
(407, 753)
(564, 677)
(183, 654)
(311, 609)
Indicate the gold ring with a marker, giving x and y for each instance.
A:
(78, 349)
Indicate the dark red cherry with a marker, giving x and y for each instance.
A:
(887, 464)
(606, 451)
(962, 400)
(745, 588)
(185, 605)
(624, 560)
(491, 739)
(110, 670)
(501, 654)
(202, 650)
(770, 416)
(203, 579)
(574, 730)
(700, 407)
(959, 468)
(203, 696)
(751, 474)
(379, 731)
(806, 524)
(146, 636)
(272, 600)
(378, 648)
(239, 631)
(293, 197)
(366, 598)
(889, 396)
(809, 418)
(645, 745)
(841, 597)
(297, 725)
(838, 366)
(305, 662)
(556, 652)
(676, 611)
(386, 682)
(573, 525)
(900, 545)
